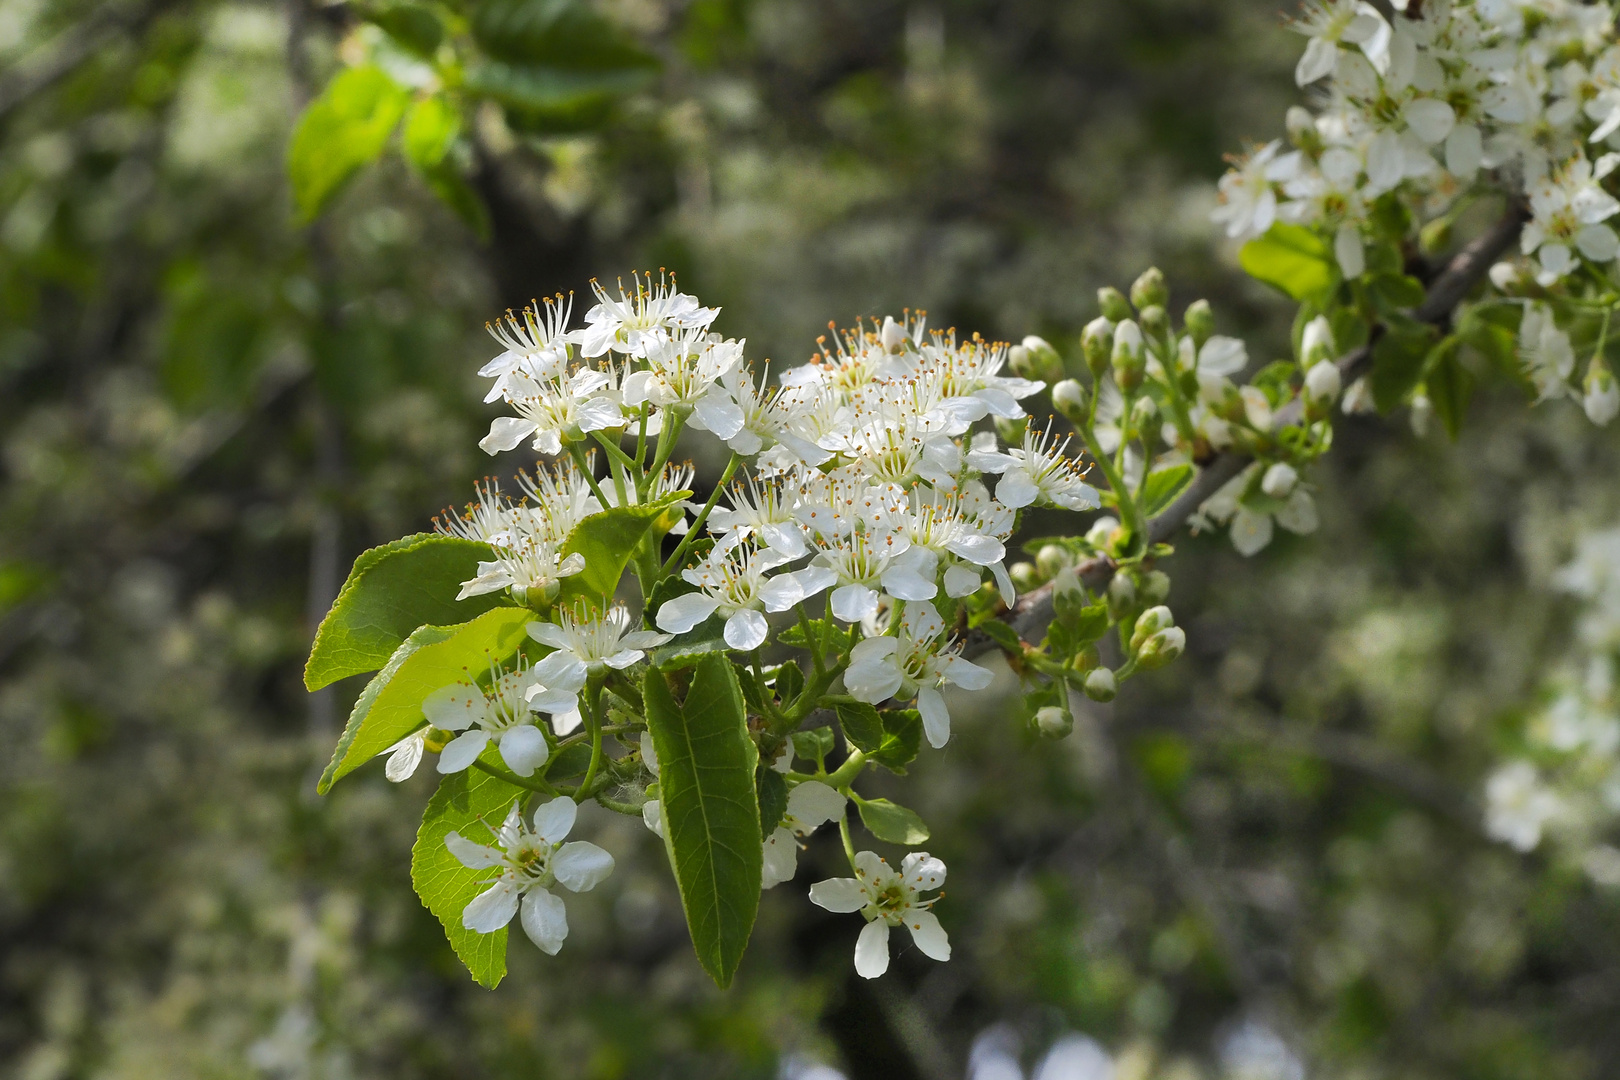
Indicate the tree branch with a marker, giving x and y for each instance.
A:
(1033, 611)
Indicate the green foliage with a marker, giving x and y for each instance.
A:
(711, 809)
(608, 540)
(889, 738)
(431, 127)
(390, 707)
(1398, 363)
(415, 26)
(1449, 386)
(1293, 259)
(1394, 292)
(344, 129)
(392, 590)
(1163, 485)
(891, 822)
(773, 797)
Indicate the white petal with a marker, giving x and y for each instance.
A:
(1429, 119)
(902, 583)
(1222, 355)
(491, 909)
(1321, 56)
(842, 895)
(812, 579)
(471, 855)
(455, 707)
(581, 866)
(406, 756)
(554, 819)
(922, 871)
(562, 671)
(564, 722)
(746, 630)
(928, 934)
(872, 950)
(1348, 250)
(545, 920)
(1250, 531)
(1598, 243)
(781, 858)
(683, 612)
(1465, 150)
(462, 751)
(935, 717)
(780, 592)
(505, 432)
(965, 673)
(813, 804)
(524, 749)
(719, 414)
(652, 816)
(548, 634)
(1016, 489)
(852, 603)
(960, 581)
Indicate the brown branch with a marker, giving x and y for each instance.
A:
(1033, 611)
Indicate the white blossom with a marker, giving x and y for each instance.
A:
(888, 898)
(915, 661)
(1039, 471)
(502, 715)
(634, 322)
(811, 805)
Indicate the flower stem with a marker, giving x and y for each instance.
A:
(703, 516)
(514, 779)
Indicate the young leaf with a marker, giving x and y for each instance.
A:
(813, 744)
(390, 707)
(431, 127)
(1398, 365)
(1162, 487)
(608, 540)
(891, 822)
(343, 129)
(464, 802)
(1002, 635)
(773, 793)
(902, 734)
(862, 725)
(1293, 259)
(391, 591)
(789, 682)
(711, 809)
(1450, 386)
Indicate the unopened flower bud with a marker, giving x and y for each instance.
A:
(1279, 480)
(1051, 559)
(1011, 428)
(1115, 307)
(1044, 360)
(1256, 408)
(1155, 587)
(1322, 381)
(1507, 279)
(1316, 342)
(1358, 398)
(1162, 648)
(1422, 413)
(1302, 131)
(1100, 685)
(1066, 583)
(1019, 361)
(1053, 722)
(1069, 399)
(1199, 320)
(1121, 595)
(1155, 321)
(1602, 400)
(1150, 622)
(1097, 343)
(1149, 289)
(893, 335)
(1024, 577)
(1130, 356)
(1143, 412)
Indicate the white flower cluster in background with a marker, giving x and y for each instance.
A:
(1564, 790)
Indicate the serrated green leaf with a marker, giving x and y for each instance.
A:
(1162, 487)
(392, 590)
(343, 129)
(463, 803)
(902, 735)
(773, 795)
(390, 707)
(571, 761)
(891, 822)
(1293, 259)
(608, 540)
(862, 726)
(711, 809)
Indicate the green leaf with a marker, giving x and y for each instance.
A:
(814, 744)
(343, 129)
(414, 26)
(891, 822)
(1003, 635)
(773, 795)
(902, 735)
(1395, 292)
(390, 707)
(1449, 386)
(431, 127)
(862, 725)
(454, 191)
(391, 591)
(1293, 259)
(464, 802)
(1162, 487)
(554, 100)
(711, 809)
(1086, 624)
(1398, 365)
(789, 682)
(565, 34)
(572, 761)
(608, 540)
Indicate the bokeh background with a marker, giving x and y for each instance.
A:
(1265, 862)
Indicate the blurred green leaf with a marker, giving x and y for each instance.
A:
(891, 822)
(1162, 487)
(464, 803)
(1398, 364)
(559, 34)
(343, 129)
(608, 540)
(414, 26)
(711, 809)
(1293, 259)
(392, 590)
(390, 707)
(431, 127)
(552, 100)
(1450, 386)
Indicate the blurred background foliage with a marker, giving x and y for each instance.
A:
(218, 385)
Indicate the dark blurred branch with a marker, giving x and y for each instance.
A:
(1033, 611)
(61, 56)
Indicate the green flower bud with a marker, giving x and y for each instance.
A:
(1130, 355)
(1113, 303)
(1121, 596)
(1143, 412)
(1018, 359)
(1051, 559)
(1149, 289)
(1161, 648)
(1102, 531)
(1435, 237)
(1101, 685)
(1199, 321)
(1011, 429)
(1044, 361)
(1069, 399)
(1024, 576)
(1053, 722)
(1155, 587)
(1150, 622)
(1097, 342)
(1155, 322)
